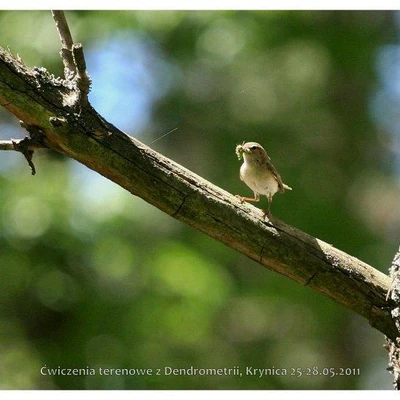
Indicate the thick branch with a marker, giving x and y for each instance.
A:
(187, 197)
(393, 346)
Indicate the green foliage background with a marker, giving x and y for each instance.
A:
(91, 276)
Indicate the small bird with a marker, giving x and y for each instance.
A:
(258, 173)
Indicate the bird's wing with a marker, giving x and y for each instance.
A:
(276, 175)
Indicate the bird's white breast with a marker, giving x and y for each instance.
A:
(260, 180)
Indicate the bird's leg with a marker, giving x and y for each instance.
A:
(267, 212)
(243, 199)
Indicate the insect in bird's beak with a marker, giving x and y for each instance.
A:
(240, 150)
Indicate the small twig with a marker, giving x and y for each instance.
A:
(8, 144)
(83, 79)
(73, 58)
(13, 143)
(25, 146)
(67, 44)
(63, 29)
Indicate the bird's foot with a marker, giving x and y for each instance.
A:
(240, 198)
(267, 215)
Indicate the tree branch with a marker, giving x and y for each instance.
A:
(73, 59)
(67, 43)
(393, 346)
(83, 80)
(35, 97)
(8, 144)
(25, 146)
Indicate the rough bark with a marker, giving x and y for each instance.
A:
(56, 119)
(393, 346)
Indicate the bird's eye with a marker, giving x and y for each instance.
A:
(253, 147)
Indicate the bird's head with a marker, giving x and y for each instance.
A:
(250, 150)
